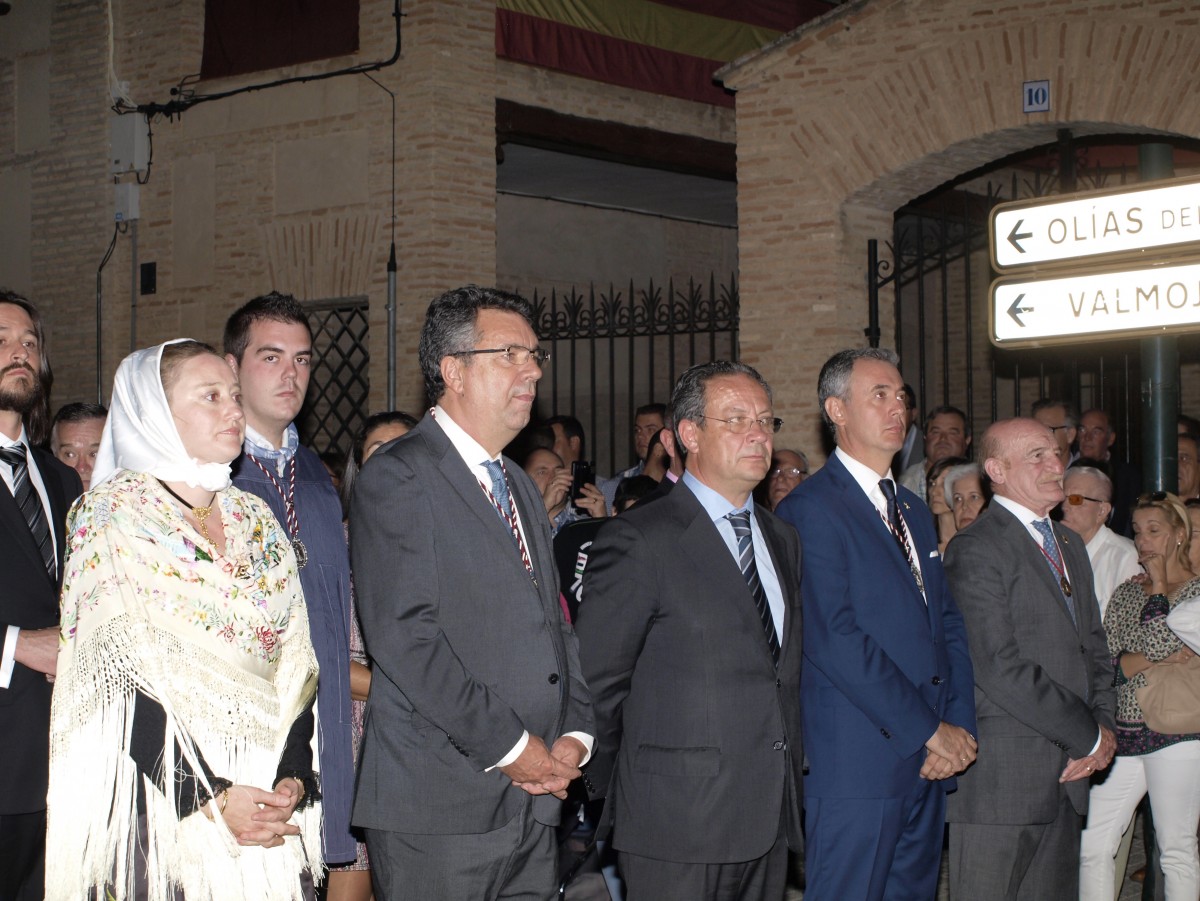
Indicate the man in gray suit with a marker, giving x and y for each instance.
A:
(478, 717)
(694, 663)
(1043, 680)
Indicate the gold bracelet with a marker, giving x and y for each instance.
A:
(224, 801)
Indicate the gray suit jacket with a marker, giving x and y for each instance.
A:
(1042, 685)
(698, 734)
(467, 649)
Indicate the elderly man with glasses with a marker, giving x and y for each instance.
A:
(1086, 509)
(788, 469)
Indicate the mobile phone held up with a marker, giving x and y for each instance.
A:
(582, 473)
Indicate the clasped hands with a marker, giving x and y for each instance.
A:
(546, 771)
(949, 751)
(1099, 759)
(259, 817)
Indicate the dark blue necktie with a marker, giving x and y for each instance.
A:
(741, 530)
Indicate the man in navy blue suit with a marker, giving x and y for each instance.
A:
(887, 696)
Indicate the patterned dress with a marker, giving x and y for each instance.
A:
(152, 612)
(1137, 623)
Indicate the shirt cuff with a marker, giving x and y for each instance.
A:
(584, 739)
(517, 750)
(1096, 746)
(9, 656)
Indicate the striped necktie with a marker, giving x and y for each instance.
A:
(1055, 561)
(31, 505)
(741, 530)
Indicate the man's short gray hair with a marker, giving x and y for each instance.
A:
(834, 380)
(1098, 474)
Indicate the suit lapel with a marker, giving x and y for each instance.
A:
(711, 556)
(530, 507)
(461, 477)
(789, 583)
(886, 547)
(59, 504)
(1019, 536)
(12, 520)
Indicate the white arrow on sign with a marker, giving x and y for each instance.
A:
(1029, 233)
(1160, 299)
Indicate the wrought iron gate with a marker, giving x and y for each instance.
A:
(339, 384)
(613, 351)
(938, 271)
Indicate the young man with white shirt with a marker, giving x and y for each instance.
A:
(269, 346)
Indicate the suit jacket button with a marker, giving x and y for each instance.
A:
(553, 679)
(779, 745)
(779, 683)
(885, 733)
(936, 680)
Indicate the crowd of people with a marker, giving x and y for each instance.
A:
(717, 656)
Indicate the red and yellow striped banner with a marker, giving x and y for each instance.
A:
(668, 47)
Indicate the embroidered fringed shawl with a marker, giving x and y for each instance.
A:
(222, 643)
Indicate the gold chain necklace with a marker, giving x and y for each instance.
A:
(201, 514)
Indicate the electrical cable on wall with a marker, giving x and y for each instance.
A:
(117, 229)
(185, 98)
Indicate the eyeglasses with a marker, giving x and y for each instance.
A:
(739, 425)
(790, 471)
(514, 354)
(1076, 499)
(1055, 428)
(1153, 497)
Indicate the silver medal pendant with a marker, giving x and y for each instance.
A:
(301, 553)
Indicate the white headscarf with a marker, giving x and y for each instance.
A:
(140, 433)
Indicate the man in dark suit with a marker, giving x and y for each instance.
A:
(689, 633)
(478, 717)
(887, 685)
(1042, 675)
(33, 510)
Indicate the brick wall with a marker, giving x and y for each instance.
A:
(288, 188)
(880, 102)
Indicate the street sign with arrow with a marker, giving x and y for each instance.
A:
(1061, 230)
(1097, 304)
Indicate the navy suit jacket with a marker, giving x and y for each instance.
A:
(882, 667)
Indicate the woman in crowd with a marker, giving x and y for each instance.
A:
(1166, 766)
(182, 724)
(943, 516)
(1193, 512)
(964, 494)
(352, 881)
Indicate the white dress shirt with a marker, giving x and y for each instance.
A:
(476, 458)
(1114, 559)
(718, 508)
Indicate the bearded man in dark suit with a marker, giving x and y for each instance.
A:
(33, 509)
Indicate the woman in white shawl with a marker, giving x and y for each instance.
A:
(181, 761)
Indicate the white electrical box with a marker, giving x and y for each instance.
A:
(129, 136)
(127, 202)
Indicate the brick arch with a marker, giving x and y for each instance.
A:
(880, 102)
